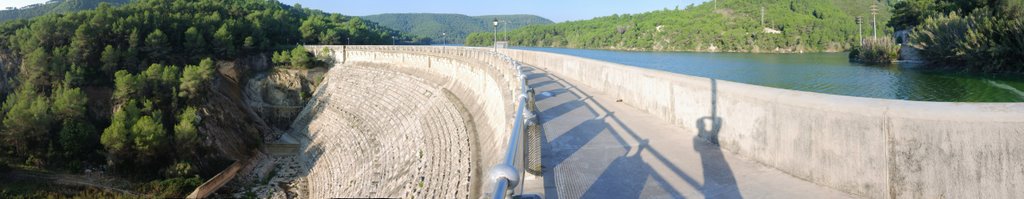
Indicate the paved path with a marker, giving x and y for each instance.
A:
(595, 147)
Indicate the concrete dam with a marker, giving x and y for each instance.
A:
(448, 122)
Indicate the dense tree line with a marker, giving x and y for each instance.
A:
(298, 58)
(732, 25)
(967, 35)
(157, 59)
(53, 6)
(456, 26)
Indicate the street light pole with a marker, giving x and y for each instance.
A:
(444, 38)
(495, 34)
(393, 42)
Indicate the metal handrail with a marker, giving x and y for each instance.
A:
(508, 174)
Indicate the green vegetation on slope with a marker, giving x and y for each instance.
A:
(735, 26)
(456, 26)
(53, 6)
(129, 87)
(966, 35)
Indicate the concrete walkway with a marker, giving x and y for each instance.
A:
(595, 147)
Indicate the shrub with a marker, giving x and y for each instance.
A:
(300, 58)
(173, 187)
(876, 51)
(977, 42)
(180, 169)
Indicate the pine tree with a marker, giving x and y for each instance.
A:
(157, 45)
(224, 42)
(195, 43)
(195, 78)
(300, 58)
(110, 59)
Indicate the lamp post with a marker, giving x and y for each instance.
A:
(444, 38)
(393, 42)
(348, 41)
(495, 34)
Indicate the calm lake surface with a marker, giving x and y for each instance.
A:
(821, 72)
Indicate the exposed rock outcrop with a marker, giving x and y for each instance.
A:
(231, 127)
(279, 94)
(907, 51)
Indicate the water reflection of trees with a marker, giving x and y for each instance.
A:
(925, 85)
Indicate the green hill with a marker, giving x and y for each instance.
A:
(735, 26)
(457, 26)
(53, 6)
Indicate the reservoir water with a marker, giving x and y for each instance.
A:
(821, 72)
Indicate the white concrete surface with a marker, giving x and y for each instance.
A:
(595, 147)
(875, 148)
(484, 85)
(372, 132)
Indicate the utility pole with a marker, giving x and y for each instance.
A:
(762, 16)
(874, 23)
(860, 33)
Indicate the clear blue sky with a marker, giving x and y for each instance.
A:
(556, 10)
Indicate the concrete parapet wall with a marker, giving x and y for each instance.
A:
(485, 85)
(876, 148)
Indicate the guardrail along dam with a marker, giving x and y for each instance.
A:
(460, 122)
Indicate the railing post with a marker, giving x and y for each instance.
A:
(533, 133)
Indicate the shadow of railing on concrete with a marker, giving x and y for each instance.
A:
(624, 167)
(719, 181)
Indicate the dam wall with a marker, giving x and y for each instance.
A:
(481, 83)
(374, 132)
(875, 148)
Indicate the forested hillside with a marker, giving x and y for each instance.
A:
(53, 6)
(456, 26)
(729, 26)
(130, 90)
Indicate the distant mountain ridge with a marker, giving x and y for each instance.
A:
(457, 26)
(53, 6)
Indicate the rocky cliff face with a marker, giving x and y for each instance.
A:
(278, 95)
(229, 126)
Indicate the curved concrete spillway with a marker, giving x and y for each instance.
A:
(386, 134)
(405, 122)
